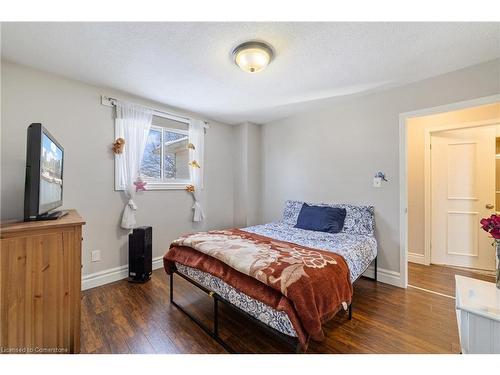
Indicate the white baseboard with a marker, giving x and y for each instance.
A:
(113, 274)
(417, 258)
(385, 276)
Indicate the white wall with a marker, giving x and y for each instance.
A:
(331, 154)
(71, 110)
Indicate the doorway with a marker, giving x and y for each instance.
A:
(451, 169)
(462, 178)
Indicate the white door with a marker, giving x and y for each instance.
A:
(462, 192)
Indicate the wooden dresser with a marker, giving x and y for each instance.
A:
(40, 283)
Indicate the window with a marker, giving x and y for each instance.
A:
(166, 155)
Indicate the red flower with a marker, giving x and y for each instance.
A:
(492, 226)
(495, 233)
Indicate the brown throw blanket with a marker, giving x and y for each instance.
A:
(310, 285)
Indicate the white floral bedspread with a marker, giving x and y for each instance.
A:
(358, 250)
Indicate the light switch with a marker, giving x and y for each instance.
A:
(95, 256)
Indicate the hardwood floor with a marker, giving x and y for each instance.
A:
(138, 318)
(440, 279)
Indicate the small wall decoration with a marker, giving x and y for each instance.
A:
(381, 175)
(140, 184)
(191, 146)
(194, 164)
(118, 145)
(190, 189)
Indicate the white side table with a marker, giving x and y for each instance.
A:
(478, 315)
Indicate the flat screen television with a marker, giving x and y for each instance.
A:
(43, 190)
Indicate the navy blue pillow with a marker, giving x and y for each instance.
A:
(322, 219)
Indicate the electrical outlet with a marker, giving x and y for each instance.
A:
(95, 256)
(377, 182)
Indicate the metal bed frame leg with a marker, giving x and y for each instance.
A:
(350, 311)
(214, 330)
(216, 316)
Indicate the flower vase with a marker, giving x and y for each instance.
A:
(497, 244)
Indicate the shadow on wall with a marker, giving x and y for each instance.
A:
(13, 193)
(382, 226)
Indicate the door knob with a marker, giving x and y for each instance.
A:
(489, 206)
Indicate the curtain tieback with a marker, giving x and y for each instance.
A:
(132, 204)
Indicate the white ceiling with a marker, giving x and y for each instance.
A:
(188, 65)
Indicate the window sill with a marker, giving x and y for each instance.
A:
(162, 186)
(167, 185)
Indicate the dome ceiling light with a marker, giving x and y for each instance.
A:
(253, 56)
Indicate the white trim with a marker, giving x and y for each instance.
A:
(417, 258)
(166, 185)
(403, 202)
(462, 199)
(112, 274)
(427, 197)
(462, 125)
(384, 276)
(403, 181)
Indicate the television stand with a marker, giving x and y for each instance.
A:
(40, 265)
(54, 215)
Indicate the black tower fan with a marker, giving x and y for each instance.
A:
(140, 254)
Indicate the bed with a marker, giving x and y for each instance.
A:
(355, 245)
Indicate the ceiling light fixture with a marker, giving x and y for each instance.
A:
(253, 56)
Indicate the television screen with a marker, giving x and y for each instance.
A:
(43, 188)
(50, 173)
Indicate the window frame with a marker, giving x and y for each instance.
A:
(162, 183)
(157, 184)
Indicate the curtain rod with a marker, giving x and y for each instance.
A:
(110, 102)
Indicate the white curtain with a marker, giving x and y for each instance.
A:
(197, 139)
(132, 124)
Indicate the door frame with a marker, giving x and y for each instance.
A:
(403, 176)
(427, 175)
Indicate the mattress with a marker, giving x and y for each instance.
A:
(357, 250)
